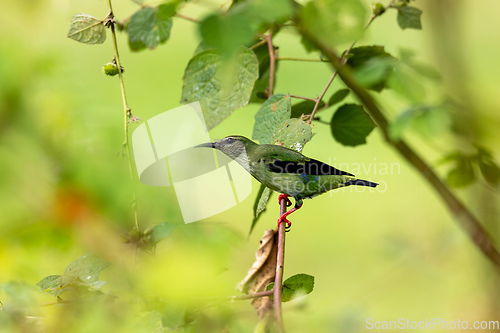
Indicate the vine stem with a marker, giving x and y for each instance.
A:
(127, 112)
(278, 280)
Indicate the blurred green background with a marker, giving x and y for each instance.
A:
(65, 191)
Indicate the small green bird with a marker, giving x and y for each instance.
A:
(284, 170)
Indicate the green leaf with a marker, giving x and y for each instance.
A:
(401, 124)
(162, 231)
(304, 108)
(427, 120)
(462, 174)
(272, 113)
(351, 125)
(149, 27)
(85, 270)
(308, 45)
(407, 57)
(220, 87)
(406, 85)
(372, 65)
(335, 21)
(292, 133)
(150, 323)
(338, 96)
(295, 286)
(260, 204)
(51, 284)
(87, 29)
(409, 17)
(266, 11)
(489, 169)
(226, 32)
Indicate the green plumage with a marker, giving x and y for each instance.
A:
(284, 170)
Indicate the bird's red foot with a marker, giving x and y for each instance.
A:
(282, 219)
(285, 196)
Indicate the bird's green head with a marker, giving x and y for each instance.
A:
(234, 146)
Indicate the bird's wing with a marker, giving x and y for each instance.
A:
(308, 167)
(288, 161)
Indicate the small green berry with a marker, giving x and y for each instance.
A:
(110, 69)
(378, 9)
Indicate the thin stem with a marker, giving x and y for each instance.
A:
(272, 62)
(256, 45)
(318, 100)
(127, 114)
(306, 98)
(343, 60)
(250, 296)
(278, 280)
(463, 216)
(187, 18)
(300, 59)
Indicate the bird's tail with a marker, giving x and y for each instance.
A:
(360, 182)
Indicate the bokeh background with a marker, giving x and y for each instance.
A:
(65, 190)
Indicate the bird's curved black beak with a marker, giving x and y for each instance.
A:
(207, 145)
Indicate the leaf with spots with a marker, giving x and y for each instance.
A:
(272, 113)
(87, 29)
(221, 87)
(293, 133)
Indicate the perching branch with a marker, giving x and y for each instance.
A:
(278, 280)
(463, 216)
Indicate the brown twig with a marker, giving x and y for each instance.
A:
(464, 216)
(272, 62)
(256, 45)
(300, 59)
(278, 280)
(344, 59)
(306, 98)
(250, 296)
(187, 18)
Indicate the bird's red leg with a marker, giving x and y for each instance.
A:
(285, 196)
(282, 218)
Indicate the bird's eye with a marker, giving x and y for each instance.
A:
(229, 140)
